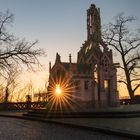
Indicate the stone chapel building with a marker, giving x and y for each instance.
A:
(92, 79)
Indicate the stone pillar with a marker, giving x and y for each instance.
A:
(95, 97)
(103, 97)
(113, 89)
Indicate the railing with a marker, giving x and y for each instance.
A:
(129, 101)
(23, 105)
(125, 101)
(43, 105)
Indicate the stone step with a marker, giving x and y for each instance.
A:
(43, 114)
(82, 112)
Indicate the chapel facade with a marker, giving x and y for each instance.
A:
(90, 82)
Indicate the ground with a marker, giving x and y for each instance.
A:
(18, 129)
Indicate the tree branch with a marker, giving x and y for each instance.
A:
(136, 87)
(132, 60)
(121, 81)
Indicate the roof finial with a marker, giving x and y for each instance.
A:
(70, 58)
(50, 67)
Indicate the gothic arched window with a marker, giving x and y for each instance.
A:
(96, 73)
(105, 63)
(77, 84)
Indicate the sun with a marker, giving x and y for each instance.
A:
(60, 94)
(58, 90)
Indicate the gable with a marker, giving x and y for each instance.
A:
(105, 62)
(58, 67)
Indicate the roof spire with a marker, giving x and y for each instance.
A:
(58, 58)
(93, 23)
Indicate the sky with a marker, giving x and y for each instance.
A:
(60, 25)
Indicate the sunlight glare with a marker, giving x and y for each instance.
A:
(58, 90)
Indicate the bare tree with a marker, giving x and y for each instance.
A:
(126, 43)
(11, 82)
(13, 50)
(1, 92)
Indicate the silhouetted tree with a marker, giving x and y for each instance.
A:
(13, 50)
(1, 92)
(11, 82)
(126, 43)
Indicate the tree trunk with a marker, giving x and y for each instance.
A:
(129, 86)
(6, 95)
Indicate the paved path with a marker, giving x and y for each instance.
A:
(18, 129)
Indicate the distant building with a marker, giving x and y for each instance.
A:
(92, 81)
(40, 97)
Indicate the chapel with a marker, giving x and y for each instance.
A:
(91, 82)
